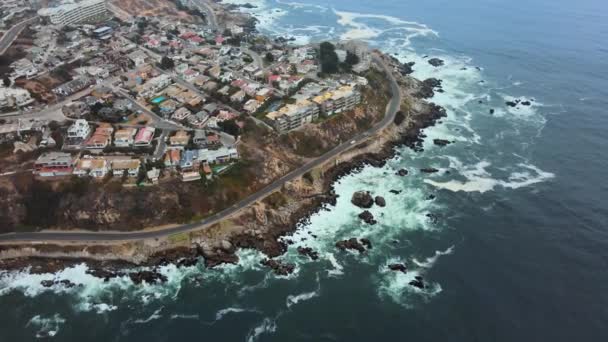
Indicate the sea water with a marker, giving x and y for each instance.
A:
(516, 243)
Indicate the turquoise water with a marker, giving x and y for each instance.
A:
(520, 245)
(158, 100)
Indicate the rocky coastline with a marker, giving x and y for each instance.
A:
(113, 261)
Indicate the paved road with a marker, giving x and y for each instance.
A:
(391, 109)
(11, 34)
(210, 15)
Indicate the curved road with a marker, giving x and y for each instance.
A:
(11, 34)
(391, 109)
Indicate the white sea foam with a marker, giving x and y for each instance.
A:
(396, 287)
(430, 261)
(154, 316)
(265, 327)
(222, 313)
(46, 326)
(478, 179)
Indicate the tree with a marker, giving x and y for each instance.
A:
(6, 81)
(166, 63)
(230, 127)
(351, 58)
(269, 58)
(328, 57)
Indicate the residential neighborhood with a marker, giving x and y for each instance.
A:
(149, 99)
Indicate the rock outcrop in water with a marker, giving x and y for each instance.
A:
(436, 62)
(309, 252)
(354, 244)
(362, 199)
(441, 142)
(402, 172)
(429, 170)
(380, 201)
(149, 277)
(278, 267)
(417, 282)
(428, 88)
(398, 267)
(367, 217)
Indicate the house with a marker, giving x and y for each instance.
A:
(73, 86)
(93, 166)
(238, 97)
(190, 176)
(144, 136)
(75, 109)
(251, 106)
(138, 57)
(181, 114)
(179, 140)
(189, 160)
(153, 175)
(52, 164)
(128, 166)
(172, 158)
(101, 138)
(124, 137)
(207, 140)
(220, 155)
(79, 130)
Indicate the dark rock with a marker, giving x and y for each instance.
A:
(278, 267)
(307, 251)
(436, 62)
(149, 277)
(186, 262)
(396, 192)
(432, 217)
(491, 111)
(352, 244)
(66, 283)
(47, 283)
(398, 267)
(402, 172)
(380, 201)
(417, 282)
(441, 142)
(429, 170)
(362, 199)
(512, 103)
(431, 197)
(105, 274)
(365, 242)
(367, 217)
(427, 88)
(526, 103)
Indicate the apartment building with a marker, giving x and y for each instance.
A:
(76, 13)
(292, 116)
(342, 99)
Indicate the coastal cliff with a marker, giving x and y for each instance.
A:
(261, 225)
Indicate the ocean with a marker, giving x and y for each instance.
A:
(515, 248)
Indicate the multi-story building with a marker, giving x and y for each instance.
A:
(342, 99)
(292, 116)
(76, 13)
(54, 164)
(80, 130)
